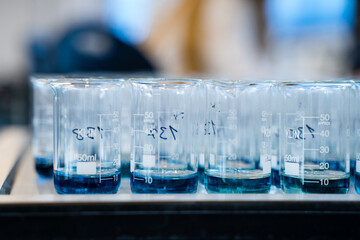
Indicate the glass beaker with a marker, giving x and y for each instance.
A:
(165, 118)
(203, 133)
(239, 151)
(126, 103)
(87, 129)
(275, 135)
(42, 125)
(354, 128)
(315, 137)
(355, 143)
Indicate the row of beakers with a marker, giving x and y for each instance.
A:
(234, 136)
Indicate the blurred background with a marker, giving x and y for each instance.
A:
(235, 39)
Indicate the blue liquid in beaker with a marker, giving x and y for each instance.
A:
(201, 174)
(275, 177)
(151, 182)
(352, 167)
(316, 184)
(72, 183)
(44, 167)
(357, 182)
(125, 169)
(237, 182)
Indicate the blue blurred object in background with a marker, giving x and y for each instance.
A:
(88, 48)
(94, 49)
(295, 17)
(129, 21)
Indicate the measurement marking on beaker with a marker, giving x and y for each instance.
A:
(311, 181)
(140, 179)
(116, 146)
(132, 155)
(303, 158)
(100, 149)
(307, 149)
(311, 149)
(158, 146)
(110, 178)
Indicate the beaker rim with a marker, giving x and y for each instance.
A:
(76, 78)
(166, 81)
(36, 79)
(322, 83)
(86, 82)
(240, 83)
